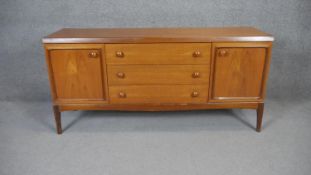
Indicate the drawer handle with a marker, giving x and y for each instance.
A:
(93, 54)
(222, 53)
(195, 74)
(122, 94)
(119, 54)
(194, 94)
(121, 75)
(196, 54)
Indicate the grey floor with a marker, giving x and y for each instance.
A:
(220, 142)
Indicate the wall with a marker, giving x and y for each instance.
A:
(23, 23)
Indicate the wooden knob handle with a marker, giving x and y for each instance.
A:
(196, 54)
(120, 74)
(195, 74)
(223, 53)
(122, 94)
(194, 94)
(119, 54)
(93, 54)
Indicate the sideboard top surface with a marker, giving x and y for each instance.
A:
(154, 35)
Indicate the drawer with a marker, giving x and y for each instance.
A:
(157, 74)
(158, 94)
(166, 53)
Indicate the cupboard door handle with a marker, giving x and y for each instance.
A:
(93, 54)
(195, 74)
(222, 53)
(196, 54)
(194, 94)
(122, 95)
(120, 74)
(119, 54)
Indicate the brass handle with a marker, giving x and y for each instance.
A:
(223, 53)
(196, 54)
(120, 74)
(122, 94)
(195, 74)
(93, 54)
(119, 54)
(194, 94)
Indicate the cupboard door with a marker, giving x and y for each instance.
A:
(77, 74)
(238, 73)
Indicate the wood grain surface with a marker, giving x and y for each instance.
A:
(154, 35)
(76, 74)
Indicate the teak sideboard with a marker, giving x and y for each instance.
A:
(158, 69)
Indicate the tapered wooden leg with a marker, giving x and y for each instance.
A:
(58, 121)
(260, 110)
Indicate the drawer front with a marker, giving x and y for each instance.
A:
(157, 74)
(158, 94)
(168, 53)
